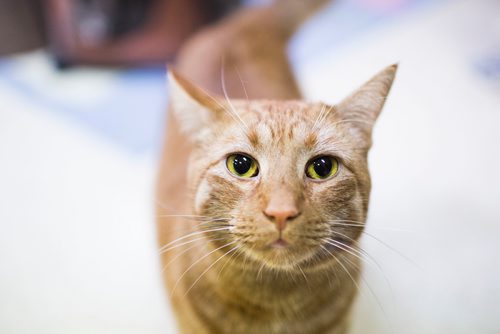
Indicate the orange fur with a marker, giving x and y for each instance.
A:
(224, 271)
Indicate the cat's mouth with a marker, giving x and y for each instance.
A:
(279, 243)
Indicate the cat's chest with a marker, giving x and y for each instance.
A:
(264, 311)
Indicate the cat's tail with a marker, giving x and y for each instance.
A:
(292, 13)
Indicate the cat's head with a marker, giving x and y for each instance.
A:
(282, 182)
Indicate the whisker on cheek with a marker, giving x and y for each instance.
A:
(237, 253)
(183, 244)
(168, 245)
(356, 248)
(210, 267)
(356, 224)
(191, 226)
(207, 240)
(195, 263)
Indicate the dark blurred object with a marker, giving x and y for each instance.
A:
(21, 26)
(97, 21)
(105, 32)
(126, 32)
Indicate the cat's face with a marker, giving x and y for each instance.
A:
(284, 183)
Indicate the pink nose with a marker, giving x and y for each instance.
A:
(281, 216)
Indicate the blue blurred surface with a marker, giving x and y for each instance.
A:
(132, 111)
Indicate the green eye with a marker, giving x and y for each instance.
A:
(242, 165)
(322, 168)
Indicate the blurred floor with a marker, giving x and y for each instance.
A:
(77, 244)
(78, 152)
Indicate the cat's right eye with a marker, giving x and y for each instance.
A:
(242, 165)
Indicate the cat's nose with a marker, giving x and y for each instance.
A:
(282, 207)
(281, 216)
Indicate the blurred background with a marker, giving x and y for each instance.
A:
(82, 107)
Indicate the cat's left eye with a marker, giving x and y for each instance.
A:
(322, 168)
(242, 165)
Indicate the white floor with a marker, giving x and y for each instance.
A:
(77, 243)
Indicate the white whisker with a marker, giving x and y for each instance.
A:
(232, 110)
(209, 267)
(323, 106)
(372, 293)
(193, 234)
(162, 251)
(227, 261)
(325, 115)
(242, 84)
(183, 252)
(194, 263)
(346, 270)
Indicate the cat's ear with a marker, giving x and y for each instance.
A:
(192, 106)
(363, 106)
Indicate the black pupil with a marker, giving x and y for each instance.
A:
(242, 164)
(322, 166)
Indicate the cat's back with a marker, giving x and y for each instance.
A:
(248, 51)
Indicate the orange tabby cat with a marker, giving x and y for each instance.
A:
(262, 197)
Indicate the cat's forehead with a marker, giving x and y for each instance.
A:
(280, 119)
(277, 111)
(280, 124)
